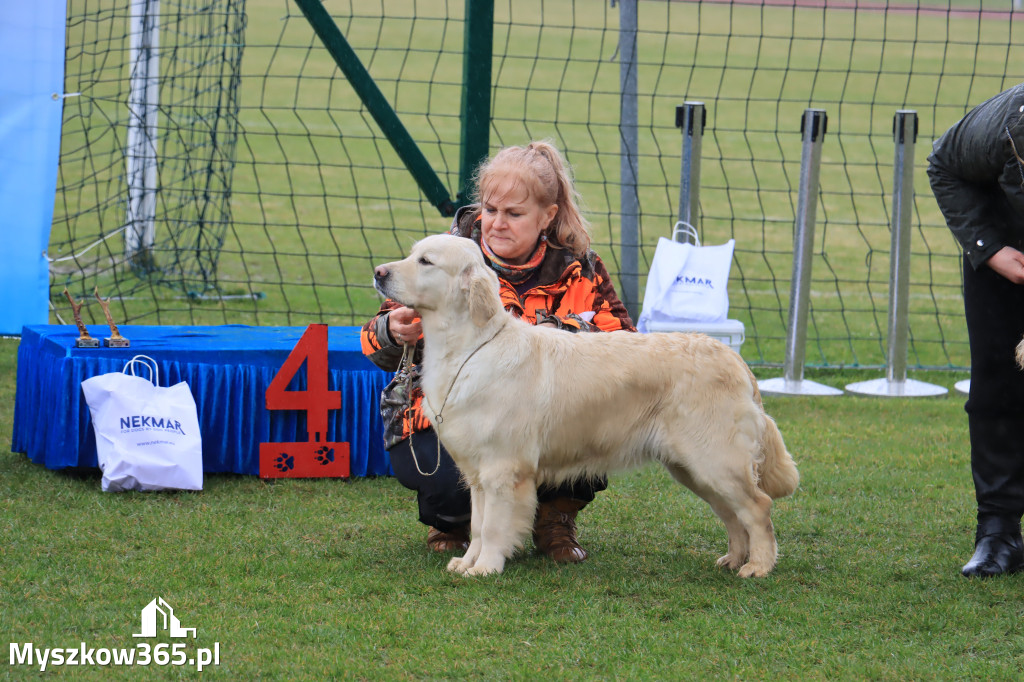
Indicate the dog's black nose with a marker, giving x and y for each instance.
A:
(380, 273)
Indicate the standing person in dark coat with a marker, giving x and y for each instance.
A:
(976, 171)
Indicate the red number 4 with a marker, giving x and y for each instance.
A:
(314, 458)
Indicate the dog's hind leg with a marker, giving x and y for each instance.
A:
(751, 507)
(725, 468)
(755, 515)
(722, 474)
(739, 541)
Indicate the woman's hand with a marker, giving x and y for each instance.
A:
(1008, 262)
(404, 326)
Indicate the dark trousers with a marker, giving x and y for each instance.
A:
(994, 309)
(442, 495)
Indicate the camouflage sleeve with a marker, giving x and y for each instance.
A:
(588, 303)
(376, 341)
(570, 323)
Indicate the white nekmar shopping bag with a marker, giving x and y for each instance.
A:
(687, 283)
(147, 436)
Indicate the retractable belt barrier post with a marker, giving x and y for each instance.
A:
(812, 130)
(699, 294)
(691, 117)
(895, 383)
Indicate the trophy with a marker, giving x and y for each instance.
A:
(84, 340)
(115, 340)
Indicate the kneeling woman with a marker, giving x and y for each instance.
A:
(530, 229)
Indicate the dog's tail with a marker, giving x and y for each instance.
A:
(778, 474)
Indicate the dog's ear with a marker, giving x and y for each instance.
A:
(480, 293)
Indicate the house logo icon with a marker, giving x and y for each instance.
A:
(159, 614)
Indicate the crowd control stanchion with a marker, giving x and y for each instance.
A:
(812, 130)
(629, 161)
(691, 117)
(896, 383)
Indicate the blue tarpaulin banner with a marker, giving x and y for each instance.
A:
(31, 106)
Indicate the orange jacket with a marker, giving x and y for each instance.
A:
(575, 294)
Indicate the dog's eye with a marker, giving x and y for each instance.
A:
(425, 261)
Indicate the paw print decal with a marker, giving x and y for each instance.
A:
(309, 459)
(325, 455)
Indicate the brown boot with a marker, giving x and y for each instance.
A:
(554, 530)
(448, 541)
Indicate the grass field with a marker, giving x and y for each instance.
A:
(331, 580)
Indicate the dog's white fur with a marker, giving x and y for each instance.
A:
(518, 405)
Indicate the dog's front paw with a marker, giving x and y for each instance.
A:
(483, 570)
(754, 570)
(459, 565)
(486, 564)
(729, 561)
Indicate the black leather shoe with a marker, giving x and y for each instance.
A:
(995, 555)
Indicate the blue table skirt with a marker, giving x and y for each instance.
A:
(228, 368)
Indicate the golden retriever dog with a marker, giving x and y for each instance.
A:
(518, 405)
